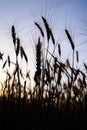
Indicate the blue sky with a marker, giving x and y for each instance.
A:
(61, 14)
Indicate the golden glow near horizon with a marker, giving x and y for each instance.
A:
(10, 70)
(2, 78)
(23, 66)
(2, 74)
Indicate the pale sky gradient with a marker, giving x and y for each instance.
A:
(61, 14)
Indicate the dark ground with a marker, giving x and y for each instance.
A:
(33, 116)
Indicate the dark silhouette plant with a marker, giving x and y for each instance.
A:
(59, 95)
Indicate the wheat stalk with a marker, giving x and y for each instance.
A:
(39, 27)
(9, 61)
(59, 49)
(70, 39)
(13, 34)
(77, 56)
(48, 31)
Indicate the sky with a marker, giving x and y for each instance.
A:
(60, 14)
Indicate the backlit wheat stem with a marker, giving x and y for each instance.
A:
(39, 27)
(70, 39)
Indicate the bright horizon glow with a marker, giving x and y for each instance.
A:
(2, 75)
